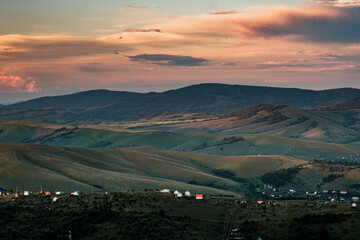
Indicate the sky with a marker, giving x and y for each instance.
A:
(51, 47)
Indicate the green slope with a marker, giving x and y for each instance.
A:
(29, 166)
(201, 142)
(337, 126)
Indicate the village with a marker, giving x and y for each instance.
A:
(235, 217)
(265, 194)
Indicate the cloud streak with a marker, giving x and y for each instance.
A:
(142, 30)
(224, 12)
(139, 6)
(169, 60)
(339, 3)
(325, 24)
(53, 47)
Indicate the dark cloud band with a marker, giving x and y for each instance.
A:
(169, 60)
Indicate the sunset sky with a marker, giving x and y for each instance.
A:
(51, 47)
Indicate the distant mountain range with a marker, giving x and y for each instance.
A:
(76, 100)
(102, 105)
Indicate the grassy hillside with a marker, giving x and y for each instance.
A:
(350, 104)
(203, 142)
(29, 166)
(341, 126)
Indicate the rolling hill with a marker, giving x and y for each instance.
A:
(351, 104)
(97, 106)
(30, 166)
(200, 142)
(341, 126)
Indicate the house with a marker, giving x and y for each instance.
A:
(241, 201)
(76, 193)
(260, 201)
(176, 192)
(1, 192)
(179, 195)
(26, 193)
(165, 191)
(187, 194)
(343, 191)
(355, 199)
(47, 193)
(58, 193)
(292, 191)
(54, 199)
(16, 195)
(326, 191)
(199, 196)
(353, 205)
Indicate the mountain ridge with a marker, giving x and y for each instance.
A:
(110, 106)
(75, 100)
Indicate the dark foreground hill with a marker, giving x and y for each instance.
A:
(158, 216)
(203, 98)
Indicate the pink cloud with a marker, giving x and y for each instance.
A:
(14, 83)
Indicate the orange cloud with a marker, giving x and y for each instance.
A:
(16, 84)
(34, 48)
(313, 24)
(224, 12)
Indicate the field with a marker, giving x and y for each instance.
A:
(151, 215)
